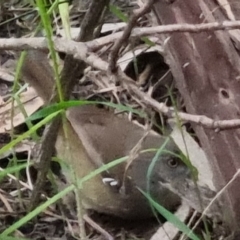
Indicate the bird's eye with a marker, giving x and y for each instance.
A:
(173, 162)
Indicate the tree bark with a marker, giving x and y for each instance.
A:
(206, 67)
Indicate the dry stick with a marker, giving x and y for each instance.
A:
(126, 34)
(95, 226)
(43, 163)
(81, 52)
(93, 45)
(170, 112)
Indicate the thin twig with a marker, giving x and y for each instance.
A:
(44, 159)
(126, 34)
(93, 45)
(80, 51)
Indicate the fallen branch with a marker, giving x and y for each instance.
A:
(93, 45)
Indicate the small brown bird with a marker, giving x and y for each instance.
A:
(96, 137)
(104, 138)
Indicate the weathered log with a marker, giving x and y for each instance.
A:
(206, 67)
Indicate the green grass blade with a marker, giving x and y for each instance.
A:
(28, 133)
(14, 169)
(171, 218)
(67, 104)
(118, 13)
